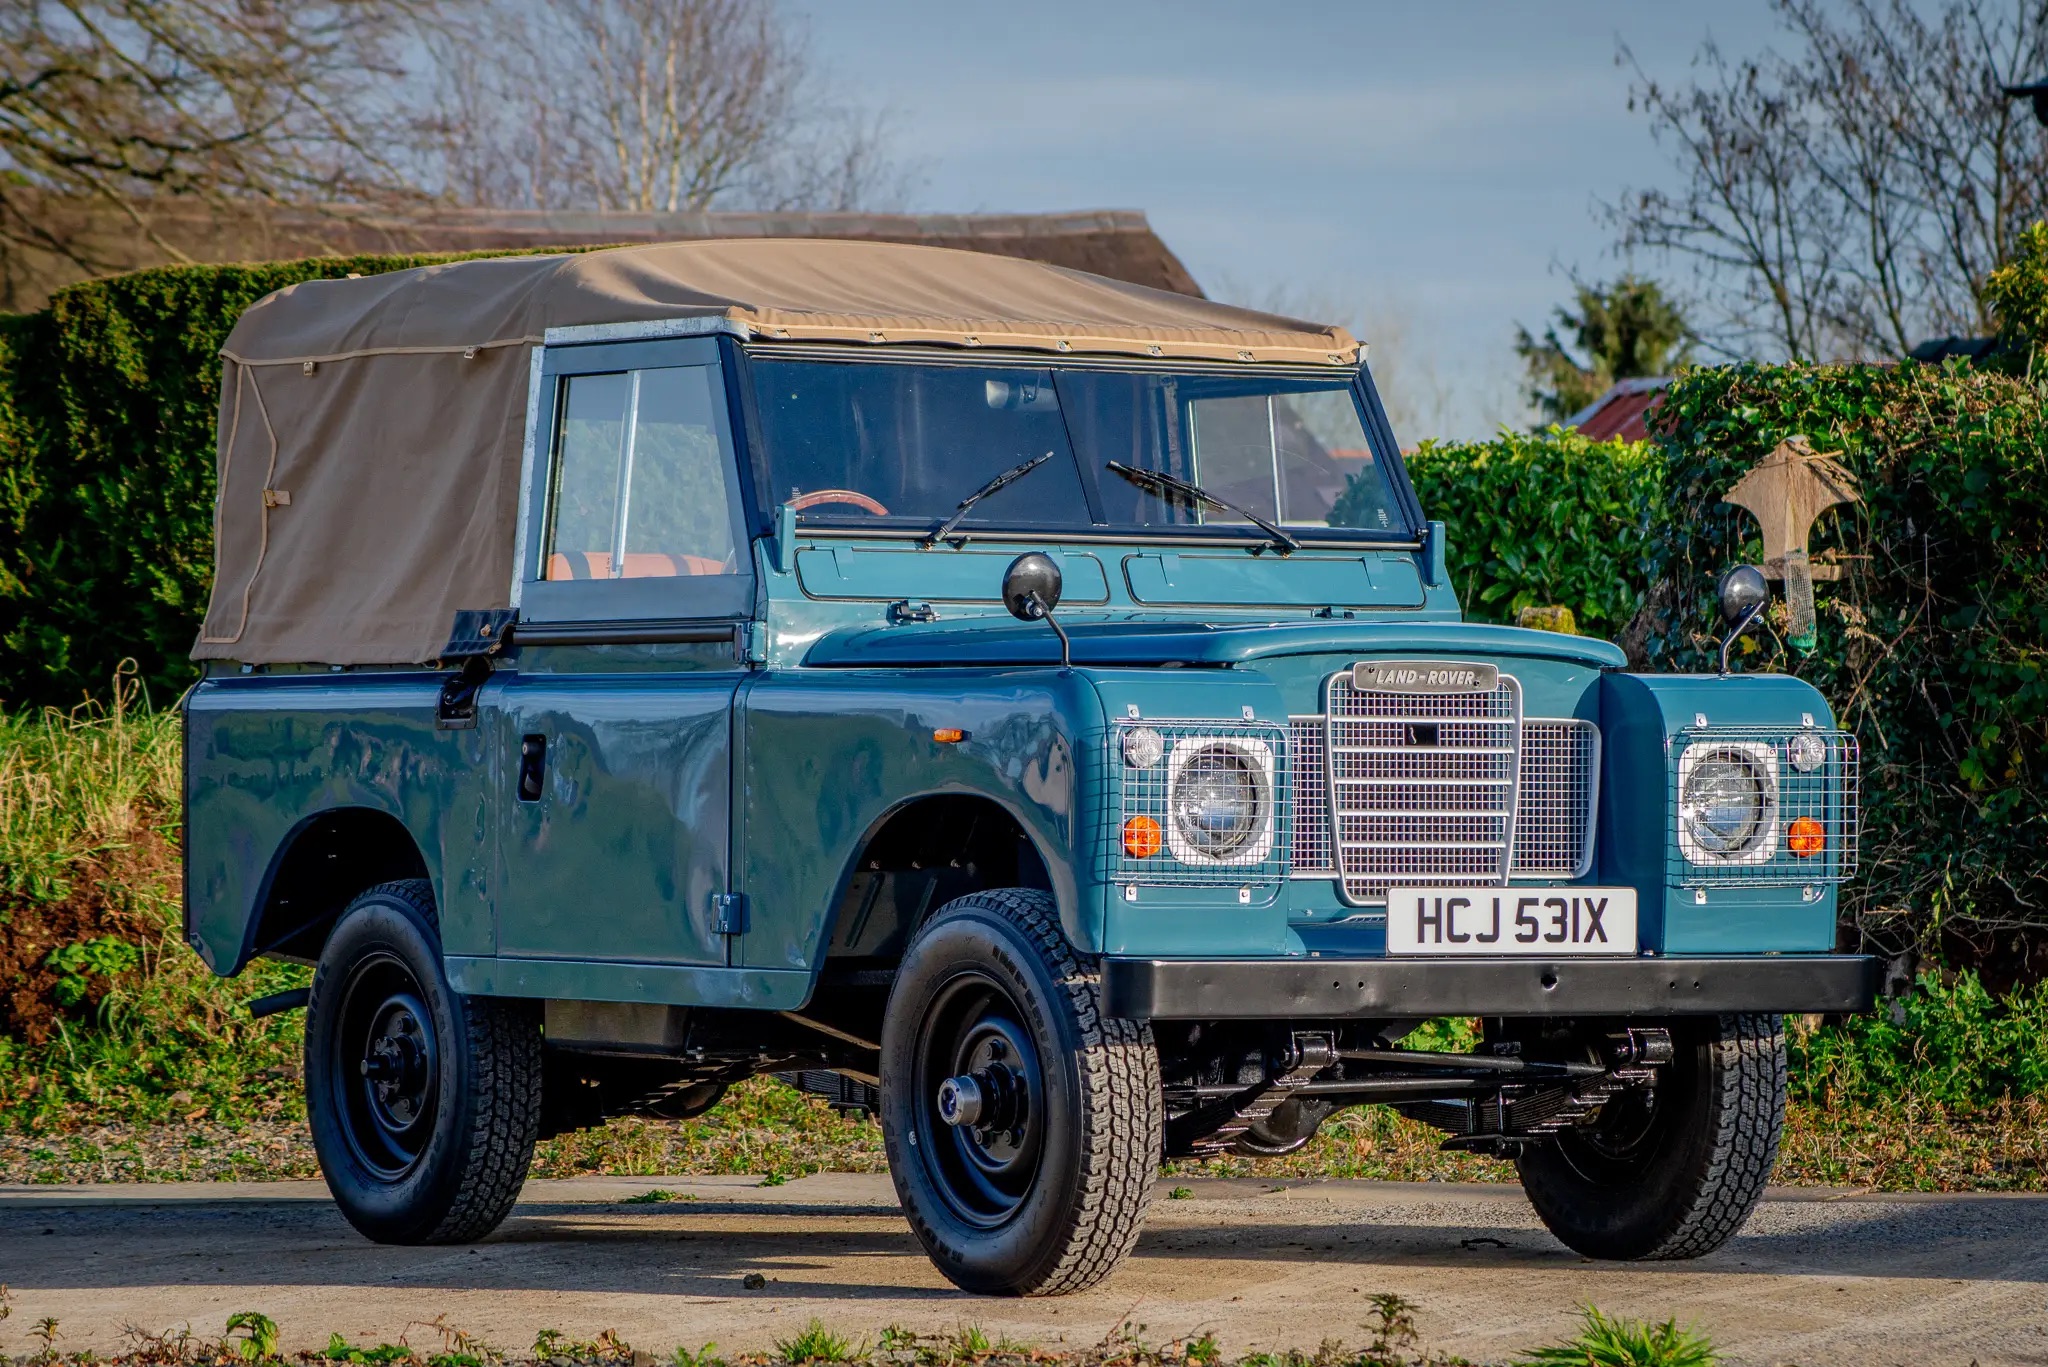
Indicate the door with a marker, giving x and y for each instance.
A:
(613, 726)
(618, 794)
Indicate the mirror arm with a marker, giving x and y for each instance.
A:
(1728, 641)
(1066, 646)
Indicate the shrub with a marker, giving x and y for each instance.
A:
(2019, 298)
(1952, 1043)
(1542, 518)
(1931, 648)
(108, 400)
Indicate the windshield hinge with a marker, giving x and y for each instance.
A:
(903, 610)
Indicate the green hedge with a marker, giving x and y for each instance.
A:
(1932, 649)
(1548, 518)
(108, 399)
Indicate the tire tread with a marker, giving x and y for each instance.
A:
(1122, 1105)
(503, 1039)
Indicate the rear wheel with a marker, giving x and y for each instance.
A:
(1023, 1126)
(1674, 1172)
(424, 1104)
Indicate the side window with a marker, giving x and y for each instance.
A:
(640, 483)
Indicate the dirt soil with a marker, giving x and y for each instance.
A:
(1817, 1277)
(97, 906)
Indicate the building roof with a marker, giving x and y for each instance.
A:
(1621, 413)
(1972, 349)
(1117, 243)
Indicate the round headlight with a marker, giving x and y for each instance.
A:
(1806, 751)
(1143, 747)
(1723, 803)
(1216, 802)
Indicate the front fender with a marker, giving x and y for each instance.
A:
(1643, 718)
(827, 757)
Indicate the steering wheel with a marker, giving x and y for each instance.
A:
(852, 496)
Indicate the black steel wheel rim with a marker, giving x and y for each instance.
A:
(973, 1027)
(384, 1067)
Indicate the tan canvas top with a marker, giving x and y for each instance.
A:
(371, 429)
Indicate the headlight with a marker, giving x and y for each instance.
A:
(1220, 801)
(1807, 752)
(1143, 747)
(1727, 803)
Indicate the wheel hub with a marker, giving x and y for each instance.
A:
(983, 1109)
(395, 1065)
(386, 1067)
(990, 1100)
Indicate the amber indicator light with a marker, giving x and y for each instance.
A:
(949, 735)
(1806, 837)
(1142, 837)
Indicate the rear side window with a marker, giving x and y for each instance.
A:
(639, 482)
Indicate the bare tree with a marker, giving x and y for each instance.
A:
(1849, 200)
(649, 105)
(111, 108)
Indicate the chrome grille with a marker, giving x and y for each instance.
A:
(1311, 854)
(1559, 799)
(1422, 785)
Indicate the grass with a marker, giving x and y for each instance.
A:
(252, 1339)
(124, 1023)
(1605, 1342)
(141, 1065)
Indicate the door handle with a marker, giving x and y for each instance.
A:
(533, 764)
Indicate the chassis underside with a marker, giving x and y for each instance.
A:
(1255, 1088)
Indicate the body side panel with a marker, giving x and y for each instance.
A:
(268, 752)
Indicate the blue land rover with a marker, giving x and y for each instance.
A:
(1028, 706)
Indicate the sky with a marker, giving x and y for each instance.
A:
(1429, 174)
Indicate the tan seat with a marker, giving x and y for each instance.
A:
(639, 565)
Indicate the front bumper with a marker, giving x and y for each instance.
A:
(1325, 989)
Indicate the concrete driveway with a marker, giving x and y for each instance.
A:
(1816, 1278)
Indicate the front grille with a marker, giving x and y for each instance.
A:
(1311, 853)
(1422, 785)
(1559, 799)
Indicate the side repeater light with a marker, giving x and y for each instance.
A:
(1806, 837)
(1142, 837)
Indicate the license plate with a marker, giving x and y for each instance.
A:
(1511, 921)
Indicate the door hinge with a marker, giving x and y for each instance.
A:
(729, 913)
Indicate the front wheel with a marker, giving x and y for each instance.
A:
(1023, 1126)
(1674, 1171)
(424, 1103)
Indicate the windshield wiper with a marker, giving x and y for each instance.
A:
(1160, 484)
(1009, 476)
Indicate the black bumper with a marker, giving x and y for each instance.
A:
(1323, 989)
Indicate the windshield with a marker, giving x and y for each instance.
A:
(882, 442)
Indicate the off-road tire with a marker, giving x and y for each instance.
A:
(1702, 1160)
(1102, 1110)
(486, 1073)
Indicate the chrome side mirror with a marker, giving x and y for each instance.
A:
(1031, 586)
(1744, 593)
(1031, 590)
